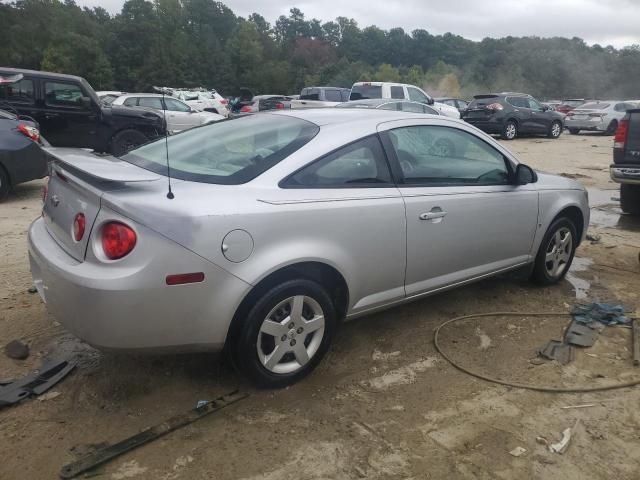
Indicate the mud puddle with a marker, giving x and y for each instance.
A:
(606, 212)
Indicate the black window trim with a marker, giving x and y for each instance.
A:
(392, 184)
(398, 175)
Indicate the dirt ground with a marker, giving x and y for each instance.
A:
(383, 404)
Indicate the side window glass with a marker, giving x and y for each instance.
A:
(130, 102)
(151, 102)
(176, 106)
(345, 95)
(395, 106)
(397, 92)
(332, 95)
(462, 105)
(534, 105)
(412, 107)
(58, 94)
(447, 156)
(19, 92)
(416, 95)
(361, 164)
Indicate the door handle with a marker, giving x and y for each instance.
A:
(49, 116)
(433, 214)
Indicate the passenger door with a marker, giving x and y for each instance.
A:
(541, 120)
(180, 114)
(465, 217)
(522, 113)
(355, 214)
(67, 119)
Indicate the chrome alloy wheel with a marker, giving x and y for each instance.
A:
(555, 129)
(510, 132)
(291, 334)
(558, 252)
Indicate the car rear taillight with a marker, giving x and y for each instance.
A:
(494, 107)
(620, 140)
(79, 224)
(597, 115)
(246, 109)
(224, 101)
(279, 106)
(118, 240)
(32, 132)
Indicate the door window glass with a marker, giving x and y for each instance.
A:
(151, 102)
(361, 164)
(333, 95)
(19, 92)
(131, 102)
(395, 106)
(534, 105)
(416, 95)
(397, 92)
(413, 107)
(60, 94)
(519, 102)
(447, 156)
(176, 106)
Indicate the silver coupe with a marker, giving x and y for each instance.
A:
(272, 228)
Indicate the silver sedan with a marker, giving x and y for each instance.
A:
(275, 227)
(599, 116)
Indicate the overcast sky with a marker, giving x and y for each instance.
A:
(607, 22)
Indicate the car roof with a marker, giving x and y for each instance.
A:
(336, 116)
(39, 73)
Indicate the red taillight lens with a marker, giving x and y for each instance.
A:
(79, 224)
(279, 106)
(117, 240)
(622, 132)
(32, 132)
(246, 109)
(494, 107)
(182, 278)
(224, 101)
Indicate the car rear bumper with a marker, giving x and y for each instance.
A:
(26, 164)
(488, 126)
(597, 126)
(119, 306)
(625, 173)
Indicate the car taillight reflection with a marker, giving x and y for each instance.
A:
(118, 240)
(32, 132)
(79, 224)
(622, 132)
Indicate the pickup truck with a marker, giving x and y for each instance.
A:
(625, 168)
(315, 97)
(70, 114)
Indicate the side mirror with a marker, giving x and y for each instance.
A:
(545, 108)
(431, 101)
(525, 174)
(85, 102)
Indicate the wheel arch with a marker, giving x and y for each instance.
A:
(322, 273)
(574, 214)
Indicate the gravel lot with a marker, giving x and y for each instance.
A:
(383, 404)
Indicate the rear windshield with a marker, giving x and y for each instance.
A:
(594, 106)
(229, 152)
(483, 101)
(362, 92)
(573, 103)
(310, 94)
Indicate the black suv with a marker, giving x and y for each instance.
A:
(71, 115)
(513, 114)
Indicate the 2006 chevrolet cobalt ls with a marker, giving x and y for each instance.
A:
(282, 224)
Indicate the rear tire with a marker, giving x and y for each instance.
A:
(630, 199)
(555, 130)
(5, 185)
(611, 129)
(510, 130)
(277, 347)
(126, 140)
(574, 131)
(555, 253)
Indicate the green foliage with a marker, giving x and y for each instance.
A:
(203, 43)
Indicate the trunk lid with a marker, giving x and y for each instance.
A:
(78, 179)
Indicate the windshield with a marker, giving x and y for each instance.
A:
(594, 106)
(362, 92)
(229, 152)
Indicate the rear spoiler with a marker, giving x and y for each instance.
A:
(485, 95)
(100, 167)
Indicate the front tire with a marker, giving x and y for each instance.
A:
(5, 185)
(285, 334)
(126, 140)
(556, 252)
(574, 131)
(630, 199)
(555, 130)
(510, 130)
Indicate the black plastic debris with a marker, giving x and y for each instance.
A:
(558, 351)
(35, 383)
(580, 335)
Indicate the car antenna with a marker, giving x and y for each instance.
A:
(170, 194)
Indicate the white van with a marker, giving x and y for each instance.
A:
(365, 90)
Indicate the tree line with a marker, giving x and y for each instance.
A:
(203, 43)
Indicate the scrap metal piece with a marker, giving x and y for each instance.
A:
(563, 444)
(559, 351)
(580, 335)
(635, 334)
(110, 452)
(37, 382)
